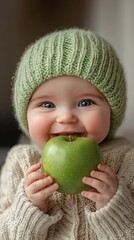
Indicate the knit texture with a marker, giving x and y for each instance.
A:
(68, 218)
(70, 52)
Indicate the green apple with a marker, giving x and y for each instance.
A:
(67, 159)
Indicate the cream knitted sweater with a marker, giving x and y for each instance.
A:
(68, 217)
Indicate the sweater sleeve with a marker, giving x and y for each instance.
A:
(19, 218)
(116, 219)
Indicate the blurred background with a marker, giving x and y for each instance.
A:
(21, 22)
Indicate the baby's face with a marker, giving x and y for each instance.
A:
(67, 105)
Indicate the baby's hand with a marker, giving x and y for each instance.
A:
(38, 187)
(103, 184)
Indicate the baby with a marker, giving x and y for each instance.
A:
(69, 82)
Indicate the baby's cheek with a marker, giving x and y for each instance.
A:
(94, 121)
(97, 125)
(38, 130)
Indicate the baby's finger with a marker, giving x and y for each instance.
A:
(33, 177)
(33, 168)
(47, 192)
(108, 170)
(92, 195)
(40, 184)
(100, 186)
(103, 177)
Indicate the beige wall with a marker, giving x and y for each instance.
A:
(114, 20)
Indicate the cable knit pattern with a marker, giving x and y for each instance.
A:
(69, 217)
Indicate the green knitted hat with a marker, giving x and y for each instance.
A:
(70, 52)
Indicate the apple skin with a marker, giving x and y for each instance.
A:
(67, 159)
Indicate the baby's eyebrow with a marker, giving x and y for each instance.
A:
(39, 98)
(99, 95)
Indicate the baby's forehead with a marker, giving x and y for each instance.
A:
(67, 85)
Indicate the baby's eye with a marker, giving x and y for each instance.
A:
(48, 105)
(85, 103)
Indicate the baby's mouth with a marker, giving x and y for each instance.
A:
(74, 134)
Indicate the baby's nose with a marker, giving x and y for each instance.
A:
(67, 118)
